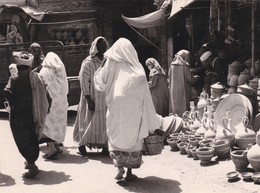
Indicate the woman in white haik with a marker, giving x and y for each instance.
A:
(54, 76)
(130, 114)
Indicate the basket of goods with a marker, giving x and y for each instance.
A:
(154, 143)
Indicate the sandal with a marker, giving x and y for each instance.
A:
(32, 173)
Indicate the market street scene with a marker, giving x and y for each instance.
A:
(150, 96)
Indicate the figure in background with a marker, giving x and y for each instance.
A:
(54, 76)
(158, 87)
(28, 102)
(179, 76)
(90, 124)
(131, 114)
(36, 50)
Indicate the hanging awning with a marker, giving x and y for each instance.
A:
(154, 19)
(32, 12)
(178, 5)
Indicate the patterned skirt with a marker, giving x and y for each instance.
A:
(127, 159)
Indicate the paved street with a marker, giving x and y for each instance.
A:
(168, 172)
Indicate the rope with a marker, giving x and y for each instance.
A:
(148, 40)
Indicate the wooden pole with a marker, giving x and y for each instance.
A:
(253, 40)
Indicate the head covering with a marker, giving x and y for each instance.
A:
(156, 66)
(23, 58)
(35, 45)
(93, 49)
(123, 51)
(205, 56)
(12, 66)
(182, 58)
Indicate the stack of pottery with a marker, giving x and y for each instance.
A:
(216, 90)
(244, 77)
(245, 134)
(246, 90)
(234, 69)
(233, 83)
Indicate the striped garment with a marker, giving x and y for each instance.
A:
(90, 127)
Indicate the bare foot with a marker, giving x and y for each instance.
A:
(120, 174)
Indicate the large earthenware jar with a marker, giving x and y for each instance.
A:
(244, 77)
(253, 154)
(245, 135)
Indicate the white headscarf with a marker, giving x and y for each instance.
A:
(93, 49)
(123, 51)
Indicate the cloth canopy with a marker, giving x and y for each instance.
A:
(177, 5)
(153, 19)
(32, 12)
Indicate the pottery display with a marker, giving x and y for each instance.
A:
(216, 90)
(240, 160)
(233, 82)
(205, 154)
(202, 129)
(222, 148)
(245, 134)
(247, 175)
(203, 100)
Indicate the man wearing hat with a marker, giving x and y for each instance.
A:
(28, 108)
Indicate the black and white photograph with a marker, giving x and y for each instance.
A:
(129, 96)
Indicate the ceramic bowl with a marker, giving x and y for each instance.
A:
(188, 150)
(247, 175)
(193, 141)
(184, 137)
(194, 154)
(206, 142)
(222, 148)
(232, 175)
(239, 159)
(181, 147)
(205, 154)
(256, 177)
(173, 143)
(174, 135)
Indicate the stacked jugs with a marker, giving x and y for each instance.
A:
(235, 68)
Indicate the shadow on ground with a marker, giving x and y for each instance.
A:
(151, 184)
(6, 180)
(48, 178)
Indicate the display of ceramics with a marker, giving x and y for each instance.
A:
(232, 175)
(222, 148)
(256, 177)
(239, 107)
(247, 175)
(211, 132)
(205, 154)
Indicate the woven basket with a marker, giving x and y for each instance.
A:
(154, 144)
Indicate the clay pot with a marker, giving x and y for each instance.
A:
(181, 147)
(188, 150)
(205, 154)
(193, 141)
(245, 135)
(245, 90)
(232, 90)
(174, 135)
(236, 67)
(253, 155)
(217, 88)
(183, 137)
(195, 124)
(254, 83)
(206, 142)
(193, 153)
(222, 148)
(173, 143)
(239, 158)
(233, 80)
(204, 100)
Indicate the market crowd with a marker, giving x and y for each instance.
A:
(118, 106)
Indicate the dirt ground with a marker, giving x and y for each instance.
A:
(169, 172)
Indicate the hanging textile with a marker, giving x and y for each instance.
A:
(153, 19)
